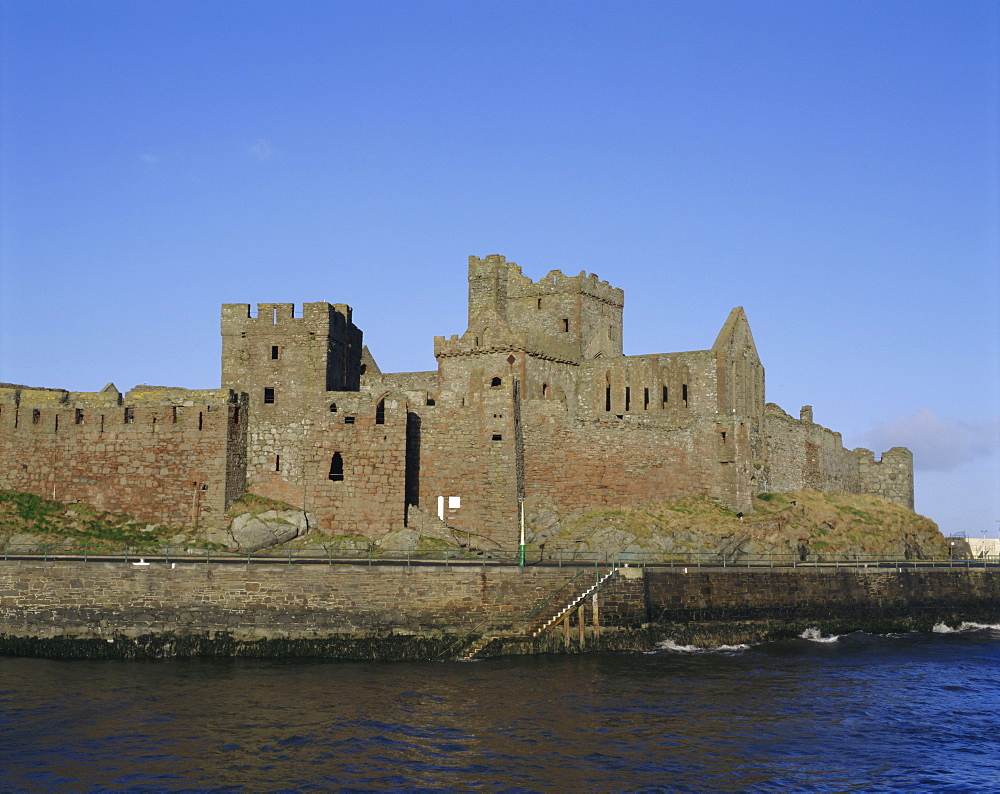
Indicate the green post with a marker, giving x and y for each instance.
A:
(520, 548)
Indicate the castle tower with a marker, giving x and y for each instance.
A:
(286, 365)
(578, 316)
(279, 359)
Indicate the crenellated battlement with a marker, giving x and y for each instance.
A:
(506, 342)
(554, 282)
(236, 317)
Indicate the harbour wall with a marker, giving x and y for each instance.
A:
(101, 610)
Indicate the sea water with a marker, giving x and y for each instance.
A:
(915, 712)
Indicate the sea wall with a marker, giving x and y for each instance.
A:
(122, 610)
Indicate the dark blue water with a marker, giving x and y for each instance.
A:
(911, 713)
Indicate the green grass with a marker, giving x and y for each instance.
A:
(253, 503)
(22, 513)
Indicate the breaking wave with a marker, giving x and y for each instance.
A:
(815, 635)
(670, 645)
(944, 628)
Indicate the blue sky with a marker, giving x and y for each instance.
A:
(830, 166)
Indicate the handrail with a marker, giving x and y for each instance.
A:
(488, 620)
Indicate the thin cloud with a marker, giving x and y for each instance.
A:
(261, 150)
(149, 159)
(938, 444)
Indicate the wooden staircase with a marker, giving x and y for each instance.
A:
(535, 623)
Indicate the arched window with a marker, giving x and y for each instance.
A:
(380, 413)
(333, 408)
(337, 467)
(495, 382)
(545, 391)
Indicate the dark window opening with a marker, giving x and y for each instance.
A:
(268, 396)
(565, 324)
(129, 415)
(277, 462)
(173, 414)
(333, 408)
(364, 369)
(723, 436)
(684, 395)
(78, 416)
(154, 424)
(337, 467)
(36, 416)
(274, 352)
(201, 420)
(645, 399)
(243, 335)
(348, 420)
(666, 396)
(380, 413)
(430, 401)
(539, 306)
(102, 423)
(57, 423)
(497, 437)
(628, 398)
(495, 382)
(545, 391)
(607, 399)
(236, 415)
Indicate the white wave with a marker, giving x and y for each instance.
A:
(942, 628)
(670, 645)
(815, 635)
(979, 626)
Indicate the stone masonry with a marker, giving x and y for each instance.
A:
(534, 402)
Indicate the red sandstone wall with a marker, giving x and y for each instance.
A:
(167, 465)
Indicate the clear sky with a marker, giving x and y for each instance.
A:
(833, 167)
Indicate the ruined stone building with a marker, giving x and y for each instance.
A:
(534, 401)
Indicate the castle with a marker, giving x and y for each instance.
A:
(534, 402)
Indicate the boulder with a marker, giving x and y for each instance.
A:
(400, 540)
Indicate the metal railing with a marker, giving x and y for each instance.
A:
(104, 552)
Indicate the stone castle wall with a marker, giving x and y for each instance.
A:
(383, 612)
(891, 477)
(161, 455)
(803, 454)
